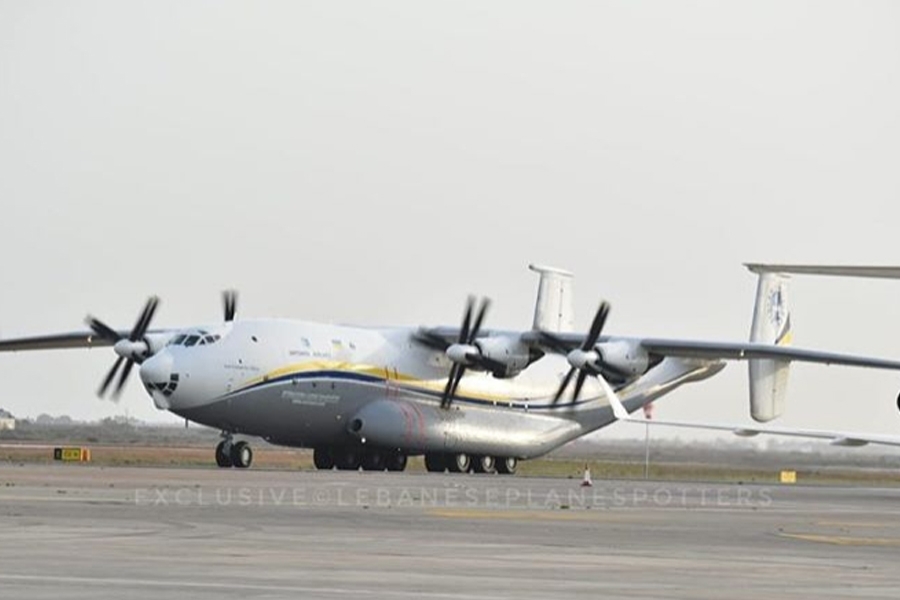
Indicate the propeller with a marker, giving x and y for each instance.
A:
(585, 360)
(463, 353)
(131, 349)
(229, 303)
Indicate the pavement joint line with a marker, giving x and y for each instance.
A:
(151, 583)
(840, 540)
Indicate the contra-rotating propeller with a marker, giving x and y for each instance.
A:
(229, 303)
(463, 353)
(586, 360)
(131, 349)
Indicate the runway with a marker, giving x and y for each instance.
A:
(74, 531)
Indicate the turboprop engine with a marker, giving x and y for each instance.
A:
(627, 357)
(502, 356)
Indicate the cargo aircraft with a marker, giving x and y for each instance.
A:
(468, 398)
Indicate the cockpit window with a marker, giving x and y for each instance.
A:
(195, 338)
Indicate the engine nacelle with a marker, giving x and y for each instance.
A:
(629, 357)
(508, 355)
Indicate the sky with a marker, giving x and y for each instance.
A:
(374, 163)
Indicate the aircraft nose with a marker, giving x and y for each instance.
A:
(159, 378)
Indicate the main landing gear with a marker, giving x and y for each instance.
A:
(351, 458)
(460, 462)
(233, 454)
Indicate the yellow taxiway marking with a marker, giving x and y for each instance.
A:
(852, 524)
(551, 515)
(841, 540)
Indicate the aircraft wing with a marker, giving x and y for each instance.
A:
(749, 350)
(706, 350)
(441, 337)
(76, 339)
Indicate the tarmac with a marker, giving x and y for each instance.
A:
(80, 531)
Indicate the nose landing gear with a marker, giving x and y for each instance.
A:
(233, 454)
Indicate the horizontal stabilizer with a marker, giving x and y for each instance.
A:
(872, 272)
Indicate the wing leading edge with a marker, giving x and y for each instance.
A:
(56, 341)
(751, 350)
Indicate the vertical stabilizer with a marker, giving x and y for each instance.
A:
(771, 325)
(554, 310)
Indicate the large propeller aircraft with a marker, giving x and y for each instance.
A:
(467, 398)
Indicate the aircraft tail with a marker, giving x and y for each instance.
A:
(553, 311)
(772, 325)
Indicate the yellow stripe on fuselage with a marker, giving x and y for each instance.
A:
(389, 375)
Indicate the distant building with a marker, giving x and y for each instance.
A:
(7, 421)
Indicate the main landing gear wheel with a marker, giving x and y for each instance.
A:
(396, 461)
(435, 463)
(241, 455)
(507, 466)
(223, 454)
(374, 460)
(347, 458)
(459, 462)
(484, 464)
(323, 458)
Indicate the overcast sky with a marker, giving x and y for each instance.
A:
(374, 163)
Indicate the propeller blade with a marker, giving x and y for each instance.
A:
(554, 343)
(431, 340)
(137, 334)
(467, 321)
(143, 322)
(615, 402)
(102, 329)
(563, 385)
(596, 327)
(109, 376)
(445, 397)
(229, 299)
(579, 383)
(123, 378)
(467, 334)
(485, 304)
(459, 373)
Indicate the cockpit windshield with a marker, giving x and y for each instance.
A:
(195, 338)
